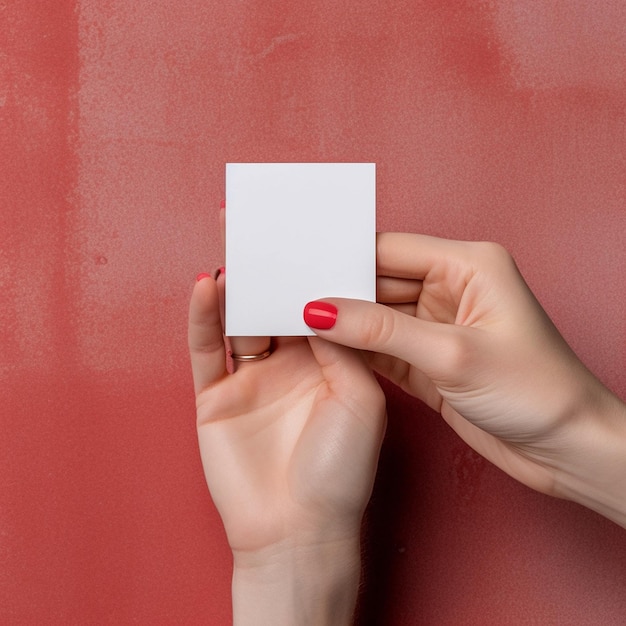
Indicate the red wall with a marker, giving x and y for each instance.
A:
(500, 120)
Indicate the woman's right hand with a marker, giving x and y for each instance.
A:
(462, 331)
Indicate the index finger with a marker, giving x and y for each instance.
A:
(408, 255)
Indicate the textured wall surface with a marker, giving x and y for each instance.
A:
(500, 119)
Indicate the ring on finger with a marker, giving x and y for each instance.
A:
(247, 358)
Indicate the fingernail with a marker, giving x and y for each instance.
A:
(199, 277)
(320, 315)
(218, 271)
(223, 204)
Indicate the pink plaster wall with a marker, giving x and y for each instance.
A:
(501, 119)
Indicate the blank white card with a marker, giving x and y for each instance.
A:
(296, 232)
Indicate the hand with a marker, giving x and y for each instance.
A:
(289, 447)
(463, 332)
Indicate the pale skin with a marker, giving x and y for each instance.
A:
(289, 447)
(290, 444)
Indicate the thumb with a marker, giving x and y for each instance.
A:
(432, 347)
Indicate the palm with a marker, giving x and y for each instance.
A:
(492, 418)
(288, 443)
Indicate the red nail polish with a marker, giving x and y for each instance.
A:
(199, 277)
(223, 204)
(320, 315)
(218, 271)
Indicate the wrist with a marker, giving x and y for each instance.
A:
(592, 467)
(297, 582)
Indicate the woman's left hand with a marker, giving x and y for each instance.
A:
(289, 444)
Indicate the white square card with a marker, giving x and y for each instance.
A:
(296, 232)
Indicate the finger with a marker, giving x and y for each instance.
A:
(432, 347)
(248, 347)
(407, 255)
(397, 290)
(205, 335)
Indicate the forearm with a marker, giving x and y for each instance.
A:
(592, 471)
(307, 585)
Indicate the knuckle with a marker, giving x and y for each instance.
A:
(494, 252)
(492, 258)
(377, 331)
(457, 352)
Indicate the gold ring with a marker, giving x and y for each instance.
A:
(251, 357)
